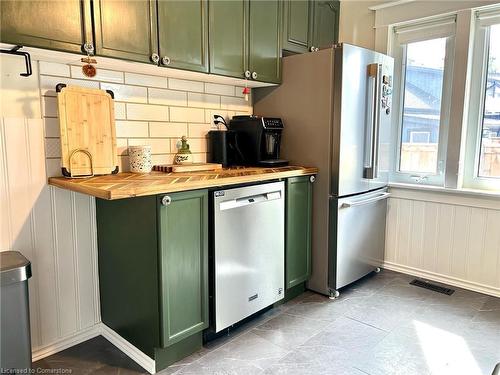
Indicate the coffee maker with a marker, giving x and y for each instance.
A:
(259, 140)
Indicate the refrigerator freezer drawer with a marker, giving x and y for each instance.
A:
(249, 251)
(360, 235)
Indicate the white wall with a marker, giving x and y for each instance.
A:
(55, 228)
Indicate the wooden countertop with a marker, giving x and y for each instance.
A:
(127, 185)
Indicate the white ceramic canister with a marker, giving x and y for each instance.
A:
(140, 159)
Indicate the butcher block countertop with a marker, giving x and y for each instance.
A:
(128, 185)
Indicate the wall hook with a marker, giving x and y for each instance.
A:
(27, 58)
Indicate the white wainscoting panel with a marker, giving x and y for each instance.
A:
(456, 242)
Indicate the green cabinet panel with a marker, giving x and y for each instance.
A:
(228, 32)
(264, 40)
(297, 25)
(183, 34)
(298, 230)
(183, 241)
(126, 29)
(326, 23)
(58, 25)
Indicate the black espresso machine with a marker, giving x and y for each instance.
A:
(258, 140)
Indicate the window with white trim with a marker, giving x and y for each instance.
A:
(482, 152)
(423, 70)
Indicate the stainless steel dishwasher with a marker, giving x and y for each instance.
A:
(249, 250)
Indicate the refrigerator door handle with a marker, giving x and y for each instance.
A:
(371, 169)
(365, 201)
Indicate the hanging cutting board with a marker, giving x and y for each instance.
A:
(87, 126)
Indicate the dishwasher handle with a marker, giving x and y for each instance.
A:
(249, 200)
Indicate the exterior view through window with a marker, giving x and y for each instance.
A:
(489, 157)
(423, 88)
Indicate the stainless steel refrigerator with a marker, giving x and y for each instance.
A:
(336, 108)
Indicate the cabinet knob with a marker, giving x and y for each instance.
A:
(314, 49)
(312, 178)
(165, 60)
(248, 74)
(155, 58)
(89, 48)
(254, 75)
(166, 200)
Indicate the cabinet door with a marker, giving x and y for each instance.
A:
(183, 34)
(326, 23)
(265, 40)
(297, 25)
(228, 33)
(58, 25)
(126, 29)
(183, 231)
(298, 230)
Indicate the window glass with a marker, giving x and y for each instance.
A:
(489, 156)
(423, 89)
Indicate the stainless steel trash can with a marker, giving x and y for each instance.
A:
(15, 350)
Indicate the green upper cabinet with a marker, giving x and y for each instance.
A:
(126, 29)
(264, 40)
(183, 241)
(183, 34)
(298, 230)
(228, 32)
(58, 25)
(297, 25)
(326, 23)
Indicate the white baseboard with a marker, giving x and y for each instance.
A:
(450, 280)
(130, 350)
(66, 342)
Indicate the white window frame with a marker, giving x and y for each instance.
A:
(416, 32)
(471, 178)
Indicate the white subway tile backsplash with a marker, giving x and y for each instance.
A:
(145, 80)
(167, 129)
(162, 159)
(125, 129)
(102, 75)
(158, 145)
(122, 146)
(215, 88)
(52, 147)
(235, 104)
(48, 84)
(200, 158)
(52, 127)
(126, 93)
(167, 97)
(54, 69)
(199, 130)
(120, 111)
(147, 112)
(179, 114)
(203, 100)
(49, 106)
(184, 85)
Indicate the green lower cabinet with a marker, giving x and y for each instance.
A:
(153, 272)
(298, 230)
(183, 235)
(126, 29)
(183, 34)
(297, 25)
(57, 25)
(326, 23)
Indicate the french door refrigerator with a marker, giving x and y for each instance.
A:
(336, 108)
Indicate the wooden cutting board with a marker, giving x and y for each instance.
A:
(87, 127)
(195, 167)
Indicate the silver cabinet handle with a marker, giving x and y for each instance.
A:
(89, 48)
(371, 169)
(314, 49)
(166, 200)
(155, 58)
(248, 74)
(165, 60)
(312, 178)
(365, 201)
(254, 75)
